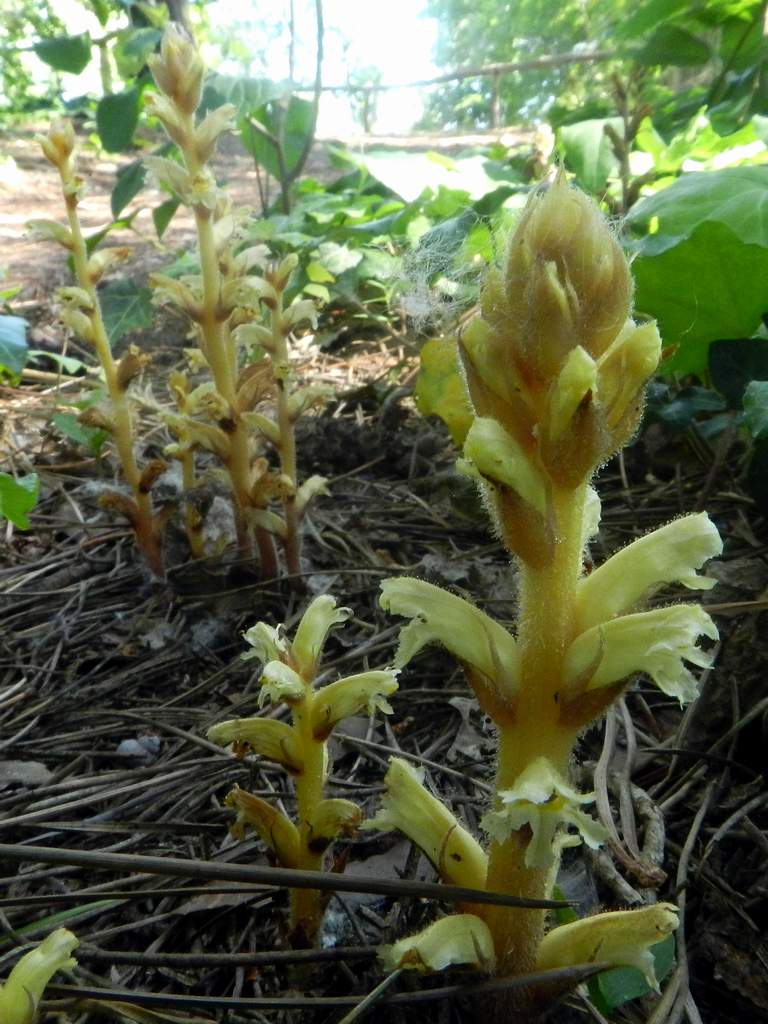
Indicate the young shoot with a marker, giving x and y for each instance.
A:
(289, 676)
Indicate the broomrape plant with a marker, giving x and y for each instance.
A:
(556, 373)
(224, 304)
(289, 676)
(82, 314)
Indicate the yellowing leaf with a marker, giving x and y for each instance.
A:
(440, 389)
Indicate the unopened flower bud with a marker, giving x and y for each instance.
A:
(178, 69)
(59, 144)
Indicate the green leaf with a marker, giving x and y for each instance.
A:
(709, 286)
(163, 214)
(736, 197)
(132, 48)
(67, 363)
(679, 412)
(130, 181)
(319, 291)
(440, 389)
(588, 151)
(126, 307)
(101, 9)
(756, 408)
(338, 258)
(65, 53)
(644, 17)
(70, 426)
(13, 344)
(317, 273)
(734, 362)
(618, 986)
(295, 125)
(247, 94)
(116, 119)
(673, 45)
(18, 498)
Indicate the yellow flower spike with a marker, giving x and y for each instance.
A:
(311, 488)
(670, 554)
(312, 632)
(655, 642)
(457, 939)
(74, 296)
(497, 457)
(280, 834)
(566, 280)
(353, 695)
(542, 800)
(24, 987)
(332, 819)
(267, 737)
(169, 173)
(79, 323)
(577, 379)
(408, 807)
(621, 938)
(178, 69)
(469, 634)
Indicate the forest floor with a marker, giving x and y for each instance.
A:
(109, 681)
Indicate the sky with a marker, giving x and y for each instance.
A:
(395, 37)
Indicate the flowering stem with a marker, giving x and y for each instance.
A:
(145, 526)
(306, 911)
(545, 630)
(287, 446)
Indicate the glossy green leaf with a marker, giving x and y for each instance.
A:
(756, 408)
(616, 987)
(736, 197)
(13, 344)
(440, 389)
(70, 426)
(126, 307)
(294, 125)
(709, 286)
(338, 258)
(734, 362)
(18, 498)
(65, 53)
(116, 118)
(588, 151)
(130, 181)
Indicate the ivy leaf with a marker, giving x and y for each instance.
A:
(126, 307)
(735, 196)
(13, 344)
(707, 287)
(616, 987)
(756, 409)
(18, 498)
(440, 389)
(673, 45)
(130, 181)
(588, 151)
(116, 118)
(163, 214)
(70, 426)
(65, 53)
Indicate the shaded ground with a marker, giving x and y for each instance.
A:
(108, 684)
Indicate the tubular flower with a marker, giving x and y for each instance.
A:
(655, 642)
(670, 554)
(24, 987)
(542, 800)
(427, 822)
(458, 939)
(440, 617)
(621, 938)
